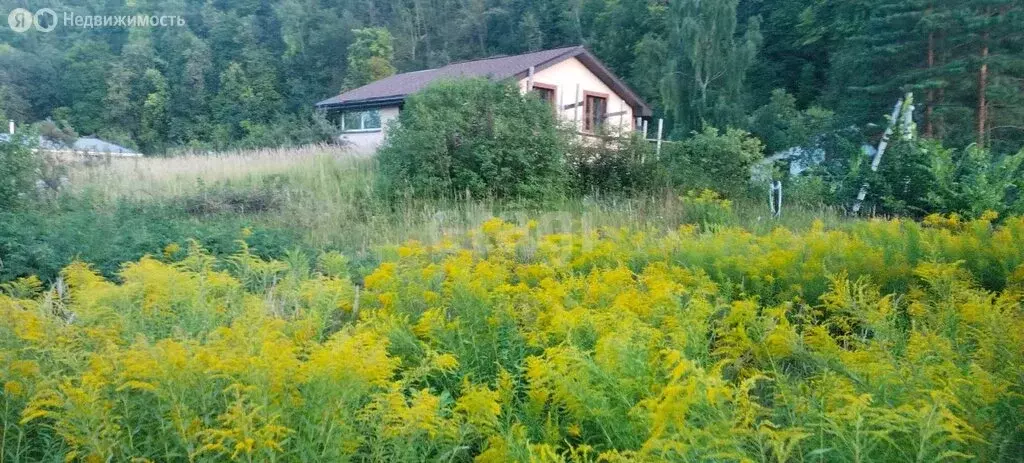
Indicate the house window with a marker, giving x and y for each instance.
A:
(595, 108)
(545, 92)
(360, 121)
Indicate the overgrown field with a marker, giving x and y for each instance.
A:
(315, 199)
(884, 341)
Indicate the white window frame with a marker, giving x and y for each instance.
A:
(362, 122)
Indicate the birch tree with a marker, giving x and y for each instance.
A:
(707, 74)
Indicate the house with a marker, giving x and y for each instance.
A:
(579, 87)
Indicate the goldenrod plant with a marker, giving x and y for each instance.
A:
(885, 341)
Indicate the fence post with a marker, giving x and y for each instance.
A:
(775, 198)
(661, 128)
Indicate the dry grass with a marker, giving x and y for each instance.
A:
(163, 177)
(328, 195)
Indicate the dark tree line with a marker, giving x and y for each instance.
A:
(246, 72)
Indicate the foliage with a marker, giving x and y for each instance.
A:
(43, 240)
(872, 344)
(780, 125)
(474, 137)
(617, 163)
(704, 83)
(917, 177)
(715, 160)
(693, 61)
(18, 169)
(58, 133)
(974, 181)
(369, 57)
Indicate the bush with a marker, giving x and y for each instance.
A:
(713, 160)
(974, 181)
(476, 137)
(918, 177)
(613, 164)
(18, 170)
(782, 126)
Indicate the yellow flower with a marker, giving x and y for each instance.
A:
(479, 405)
(14, 388)
(446, 363)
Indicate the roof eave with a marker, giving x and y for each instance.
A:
(367, 103)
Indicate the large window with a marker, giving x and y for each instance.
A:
(360, 121)
(545, 92)
(595, 109)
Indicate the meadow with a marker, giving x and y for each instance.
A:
(670, 327)
(312, 199)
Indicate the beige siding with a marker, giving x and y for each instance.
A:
(565, 76)
(367, 142)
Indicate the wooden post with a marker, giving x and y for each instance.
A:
(576, 108)
(561, 103)
(775, 198)
(661, 128)
(622, 113)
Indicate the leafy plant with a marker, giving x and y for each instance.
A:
(474, 137)
(18, 169)
(714, 160)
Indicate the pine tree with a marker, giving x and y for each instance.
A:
(995, 28)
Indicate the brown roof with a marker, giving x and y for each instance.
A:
(394, 89)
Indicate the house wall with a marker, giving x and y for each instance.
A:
(564, 76)
(366, 143)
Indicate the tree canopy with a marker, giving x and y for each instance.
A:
(238, 70)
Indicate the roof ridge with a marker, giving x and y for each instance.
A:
(563, 49)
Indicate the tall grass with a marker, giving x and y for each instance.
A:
(167, 177)
(313, 198)
(330, 196)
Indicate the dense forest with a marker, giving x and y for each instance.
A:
(244, 73)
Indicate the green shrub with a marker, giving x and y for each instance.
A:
(18, 170)
(476, 137)
(780, 125)
(613, 164)
(973, 181)
(713, 160)
(918, 177)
